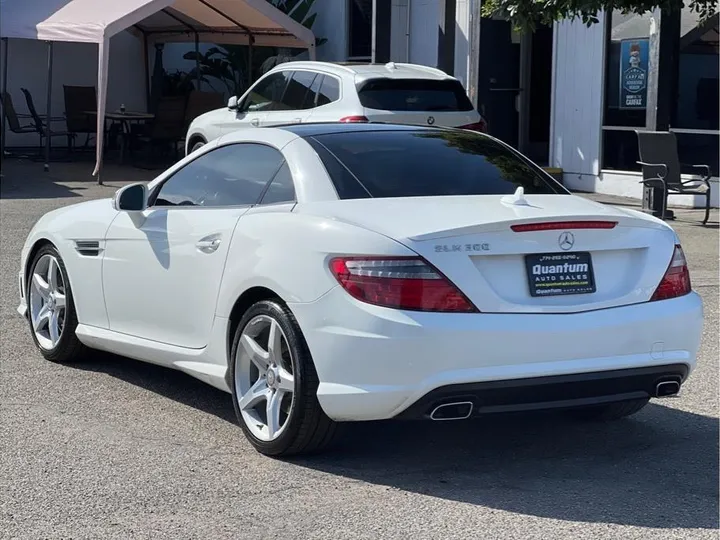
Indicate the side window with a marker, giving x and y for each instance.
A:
(281, 189)
(329, 91)
(233, 175)
(298, 94)
(266, 94)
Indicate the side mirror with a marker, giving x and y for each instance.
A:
(233, 103)
(131, 198)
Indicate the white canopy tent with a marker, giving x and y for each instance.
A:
(249, 22)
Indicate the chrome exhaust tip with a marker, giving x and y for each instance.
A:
(457, 410)
(667, 389)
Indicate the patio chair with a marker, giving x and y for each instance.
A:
(13, 118)
(168, 126)
(42, 128)
(662, 168)
(201, 102)
(79, 99)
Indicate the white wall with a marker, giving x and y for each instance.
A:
(398, 31)
(577, 103)
(73, 64)
(331, 23)
(462, 41)
(424, 31)
(425, 22)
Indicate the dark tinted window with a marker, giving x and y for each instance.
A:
(298, 94)
(281, 188)
(360, 28)
(329, 91)
(266, 94)
(426, 163)
(233, 175)
(414, 95)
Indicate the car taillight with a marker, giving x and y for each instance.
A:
(408, 283)
(480, 126)
(676, 281)
(354, 119)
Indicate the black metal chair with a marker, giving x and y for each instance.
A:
(42, 128)
(79, 100)
(13, 118)
(662, 168)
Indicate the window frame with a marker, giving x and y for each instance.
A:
(242, 106)
(152, 196)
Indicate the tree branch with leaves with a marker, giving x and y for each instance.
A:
(526, 15)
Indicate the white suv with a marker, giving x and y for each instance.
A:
(296, 92)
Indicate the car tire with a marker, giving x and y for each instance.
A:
(612, 411)
(66, 348)
(306, 428)
(198, 144)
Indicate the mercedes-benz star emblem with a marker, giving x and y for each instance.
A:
(431, 120)
(566, 240)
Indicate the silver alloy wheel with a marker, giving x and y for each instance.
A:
(47, 302)
(264, 378)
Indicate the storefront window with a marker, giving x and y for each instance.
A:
(696, 115)
(359, 30)
(626, 71)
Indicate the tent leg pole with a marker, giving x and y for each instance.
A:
(48, 108)
(146, 63)
(4, 90)
(250, 58)
(197, 60)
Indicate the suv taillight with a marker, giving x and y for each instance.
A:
(480, 126)
(354, 119)
(676, 281)
(408, 283)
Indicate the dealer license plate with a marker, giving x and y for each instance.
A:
(555, 274)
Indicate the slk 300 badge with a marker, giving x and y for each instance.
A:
(459, 248)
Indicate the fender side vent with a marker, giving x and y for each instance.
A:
(88, 248)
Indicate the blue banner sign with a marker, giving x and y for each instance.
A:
(634, 59)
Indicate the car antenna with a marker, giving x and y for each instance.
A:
(517, 198)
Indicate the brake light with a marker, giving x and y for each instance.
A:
(480, 126)
(676, 281)
(555, 225)
(354, 119)
(408, 283)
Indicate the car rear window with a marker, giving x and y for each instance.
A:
(414, 95)
(423, 163)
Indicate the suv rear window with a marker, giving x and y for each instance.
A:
(424, 163)
(414, 95)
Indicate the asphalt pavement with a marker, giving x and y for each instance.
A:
(114, 448)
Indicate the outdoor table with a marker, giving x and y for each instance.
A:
(125, 119)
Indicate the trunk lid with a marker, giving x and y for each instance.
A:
(470, 239)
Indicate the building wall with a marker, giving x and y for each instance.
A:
(73, 64)
(577, 102)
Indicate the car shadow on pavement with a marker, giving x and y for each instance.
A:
(657, 469)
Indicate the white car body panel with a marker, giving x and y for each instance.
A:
(170, 304)
(219, 122)
(161, 255)
(373, 362)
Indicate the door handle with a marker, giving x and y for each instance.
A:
(297, 120)
(208, 245)
(255, 122)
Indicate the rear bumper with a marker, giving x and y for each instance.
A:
(543, 393)
(373, 363)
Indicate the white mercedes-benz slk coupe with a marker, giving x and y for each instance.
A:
(324, 273)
